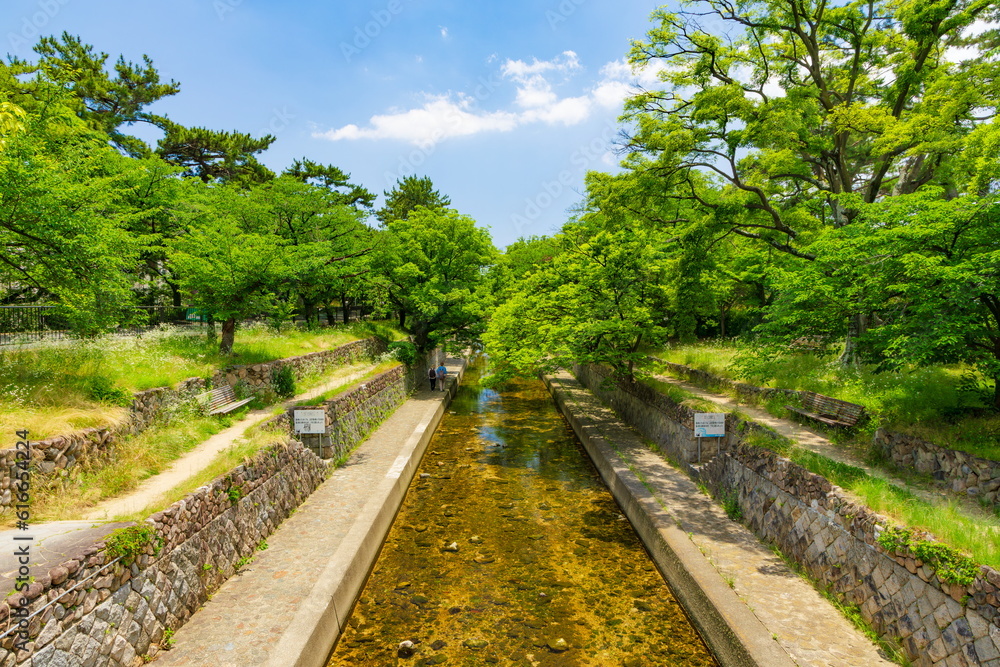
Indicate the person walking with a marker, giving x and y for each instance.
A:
(442, 373)
(432, 376)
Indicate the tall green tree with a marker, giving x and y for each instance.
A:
(229, 261)
(433, 265)
(804, 111)
(600, 299)
(407, 195)
(214, 155)
(64, 194)
(334, 179)
(106, 100)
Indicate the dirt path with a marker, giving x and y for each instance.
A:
(816, 442)
(201, 456)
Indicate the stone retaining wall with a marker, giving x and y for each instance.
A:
(834, 539)
(963, 472)
(63, 452)
(816, 524)
(704, 378)
(259, 377)
(960, 471)
(108, 613)
(352, 416)
(656, 417)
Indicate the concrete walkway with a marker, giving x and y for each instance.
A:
(807, 628)
(815, 441)
(286, 609)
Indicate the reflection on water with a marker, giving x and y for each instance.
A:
(510, 550)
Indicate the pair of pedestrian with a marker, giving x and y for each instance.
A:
(436, 376)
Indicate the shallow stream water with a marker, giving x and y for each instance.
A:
(510, 550)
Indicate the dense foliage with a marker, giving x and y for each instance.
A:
(98, 222)
(806, 171)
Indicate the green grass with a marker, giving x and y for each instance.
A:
(132, 461)
(680, 395)
(234, 455)
(978, 536)
(340, 389)
(927, 401)
(49, 389)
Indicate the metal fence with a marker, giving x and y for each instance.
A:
(26, 324)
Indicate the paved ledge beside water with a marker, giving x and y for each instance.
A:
(762, 613)
(288, 606)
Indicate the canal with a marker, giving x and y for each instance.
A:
(510, 550)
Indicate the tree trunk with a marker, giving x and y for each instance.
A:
(402, 319)
(309, 312)
(722, 322)
(996, 392)
(331, 314)
(210, 321)
(855, 329)
(346, 305)
(228, 336)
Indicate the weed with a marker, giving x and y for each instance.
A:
(262, 546)
(129, 542)
(949, 564)
(234, 492)
(242, 563)
(730, 500)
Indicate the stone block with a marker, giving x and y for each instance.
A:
(986, 649)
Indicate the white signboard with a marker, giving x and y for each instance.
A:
(709, 424)
(310, 421)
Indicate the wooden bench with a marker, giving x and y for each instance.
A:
(828, 410)
(222, 400)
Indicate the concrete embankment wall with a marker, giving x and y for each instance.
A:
(52, 455)
(835, 540)
(735, 637)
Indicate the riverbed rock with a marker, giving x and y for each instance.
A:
(405, 649)
(557, 645)
(453, 547)
(475, 644)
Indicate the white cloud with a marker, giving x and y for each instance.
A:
(444, 31)
(439, 118)
(536, 101)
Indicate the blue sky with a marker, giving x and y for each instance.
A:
(504, 105)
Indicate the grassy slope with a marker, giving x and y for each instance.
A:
(45, 389)
(926, 402)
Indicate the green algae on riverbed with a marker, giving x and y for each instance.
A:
(510, 550)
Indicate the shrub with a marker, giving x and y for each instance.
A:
(103, 389)
(950, 564)
(283, 381)
(403, 351)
